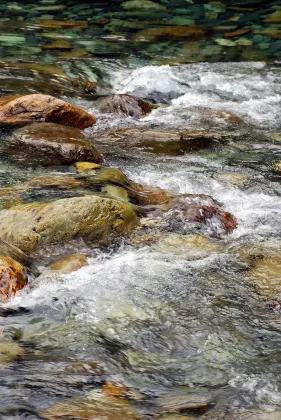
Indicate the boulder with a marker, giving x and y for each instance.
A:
(190, 215)
(168, 142)
(49, 144)
(90, 217)
(128, 105)
(21, 110)
(68, 263)
(13, 277)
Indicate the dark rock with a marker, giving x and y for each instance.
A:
(128, 105)
(49, 144)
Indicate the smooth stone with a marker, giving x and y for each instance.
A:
(90, 217)
(225, 42)
(21, 110)
(13, 277)
(181, 20)
(233, 178)
(127, 105)
(60, 44)
(238, 32)
(169, 142)
(95, 405)
(143, 4)
(274, 18)
(244, 42)
(55, 181)
(270, 32)
(86, 166)
(49, 144)
(118, 193)
(68, 263)
(62, 24)
(171, 33)
(216, 6)
(12, 39)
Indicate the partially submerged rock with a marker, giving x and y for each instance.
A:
(128, 105)
(173, 33)
(68, 263)
(9, 351)
(49, 144)
(13, 277)
(90, 217)
(21, 110)
(187, 217)
(168, 142)
(96, 405)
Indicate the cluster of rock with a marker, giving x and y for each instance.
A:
(106, 204)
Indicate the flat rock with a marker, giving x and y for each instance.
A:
(21, 110)
(172, 33)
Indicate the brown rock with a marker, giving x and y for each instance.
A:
(238, 32)
(171, 33)
(271, 32)
(49, 144)
(185, 211)
(86, 166)
(64, 182)
(61, 44)
(170, 142)
(126, 104)
(69, 263)
(96, 405)
(62, 24)
(275, 17)
(12, 277)
(42, 108)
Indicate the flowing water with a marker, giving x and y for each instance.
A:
(176, 321)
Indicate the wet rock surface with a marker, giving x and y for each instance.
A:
(128, 105)
(90, 217)
(49, 144)
(13, 277)
(21, 110)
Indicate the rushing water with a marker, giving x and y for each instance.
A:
(175, 319)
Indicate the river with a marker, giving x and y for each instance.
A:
(184, 324)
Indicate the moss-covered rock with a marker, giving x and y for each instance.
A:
(90, 217)
(49, 144)
(21, 110)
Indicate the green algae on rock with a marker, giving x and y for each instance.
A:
(90, 217)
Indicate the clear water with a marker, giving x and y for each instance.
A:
(162, 319)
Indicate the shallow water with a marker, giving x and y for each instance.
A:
(171, 317)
